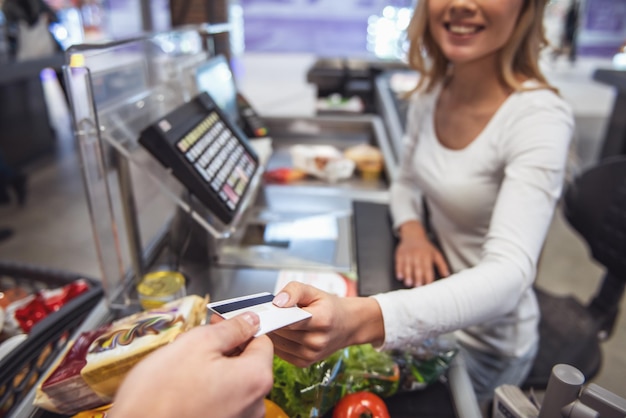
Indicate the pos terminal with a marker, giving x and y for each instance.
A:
(205, 152)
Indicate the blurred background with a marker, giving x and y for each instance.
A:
(322, 27)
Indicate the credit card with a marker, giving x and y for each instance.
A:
(272, 317)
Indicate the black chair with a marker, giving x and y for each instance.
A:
(571, 332)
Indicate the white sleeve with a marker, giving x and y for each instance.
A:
(534, 152)
(405, 196)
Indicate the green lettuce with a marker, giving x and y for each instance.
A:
(313, 391)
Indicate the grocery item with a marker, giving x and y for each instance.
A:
(322, 161)
(94, 366)
(23, 313)
(368, 159)
(101, 412)
(64, 390)
(284, 175)
(361, 404)
(314, 390)
(160, 287)
(273, 411)
(25, 358)
(8, 296)
(129, 340)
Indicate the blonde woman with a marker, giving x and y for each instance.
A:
(486, 147)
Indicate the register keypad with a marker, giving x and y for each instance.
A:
(219, 158)
(206, 152)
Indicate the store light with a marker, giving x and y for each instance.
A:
(386, 33)
(619, 61)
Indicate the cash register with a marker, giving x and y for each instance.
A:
(205, 153)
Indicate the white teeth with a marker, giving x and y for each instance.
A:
(463, 30)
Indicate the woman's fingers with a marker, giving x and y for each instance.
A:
(292, 351)
(428, 275)
(405, 269)
(442, 265)
(416, 266)
(295, 293)
(413, 269)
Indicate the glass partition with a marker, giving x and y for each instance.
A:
(116, 90)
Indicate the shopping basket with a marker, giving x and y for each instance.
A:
(23, 366)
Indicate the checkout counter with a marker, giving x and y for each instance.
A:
(144, 217)
(380, 85)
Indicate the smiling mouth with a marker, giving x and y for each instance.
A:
(457, 29)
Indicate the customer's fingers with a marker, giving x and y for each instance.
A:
(260, 348)
(293, 352)
(232, 333)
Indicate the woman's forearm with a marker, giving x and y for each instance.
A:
(365, 321)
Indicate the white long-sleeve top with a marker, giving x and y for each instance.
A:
(491, 205)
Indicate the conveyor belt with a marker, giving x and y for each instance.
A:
(375, 245)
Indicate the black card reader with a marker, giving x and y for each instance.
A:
(205, 152)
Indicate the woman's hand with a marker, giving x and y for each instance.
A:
(417, 257)
(335, 323)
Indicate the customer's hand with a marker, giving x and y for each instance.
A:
(194, 376)
(417, 258)
(335, 323)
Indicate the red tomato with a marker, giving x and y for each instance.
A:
(361, 405)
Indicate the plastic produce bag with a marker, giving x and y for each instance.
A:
(426, 363)
(314, 390)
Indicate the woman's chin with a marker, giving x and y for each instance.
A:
(466, 57)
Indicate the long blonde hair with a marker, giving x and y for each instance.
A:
(518, 57)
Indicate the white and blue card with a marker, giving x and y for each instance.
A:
(272, 317)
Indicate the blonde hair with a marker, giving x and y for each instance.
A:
(518, 57)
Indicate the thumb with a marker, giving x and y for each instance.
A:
(296, 293)
(236, 331)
